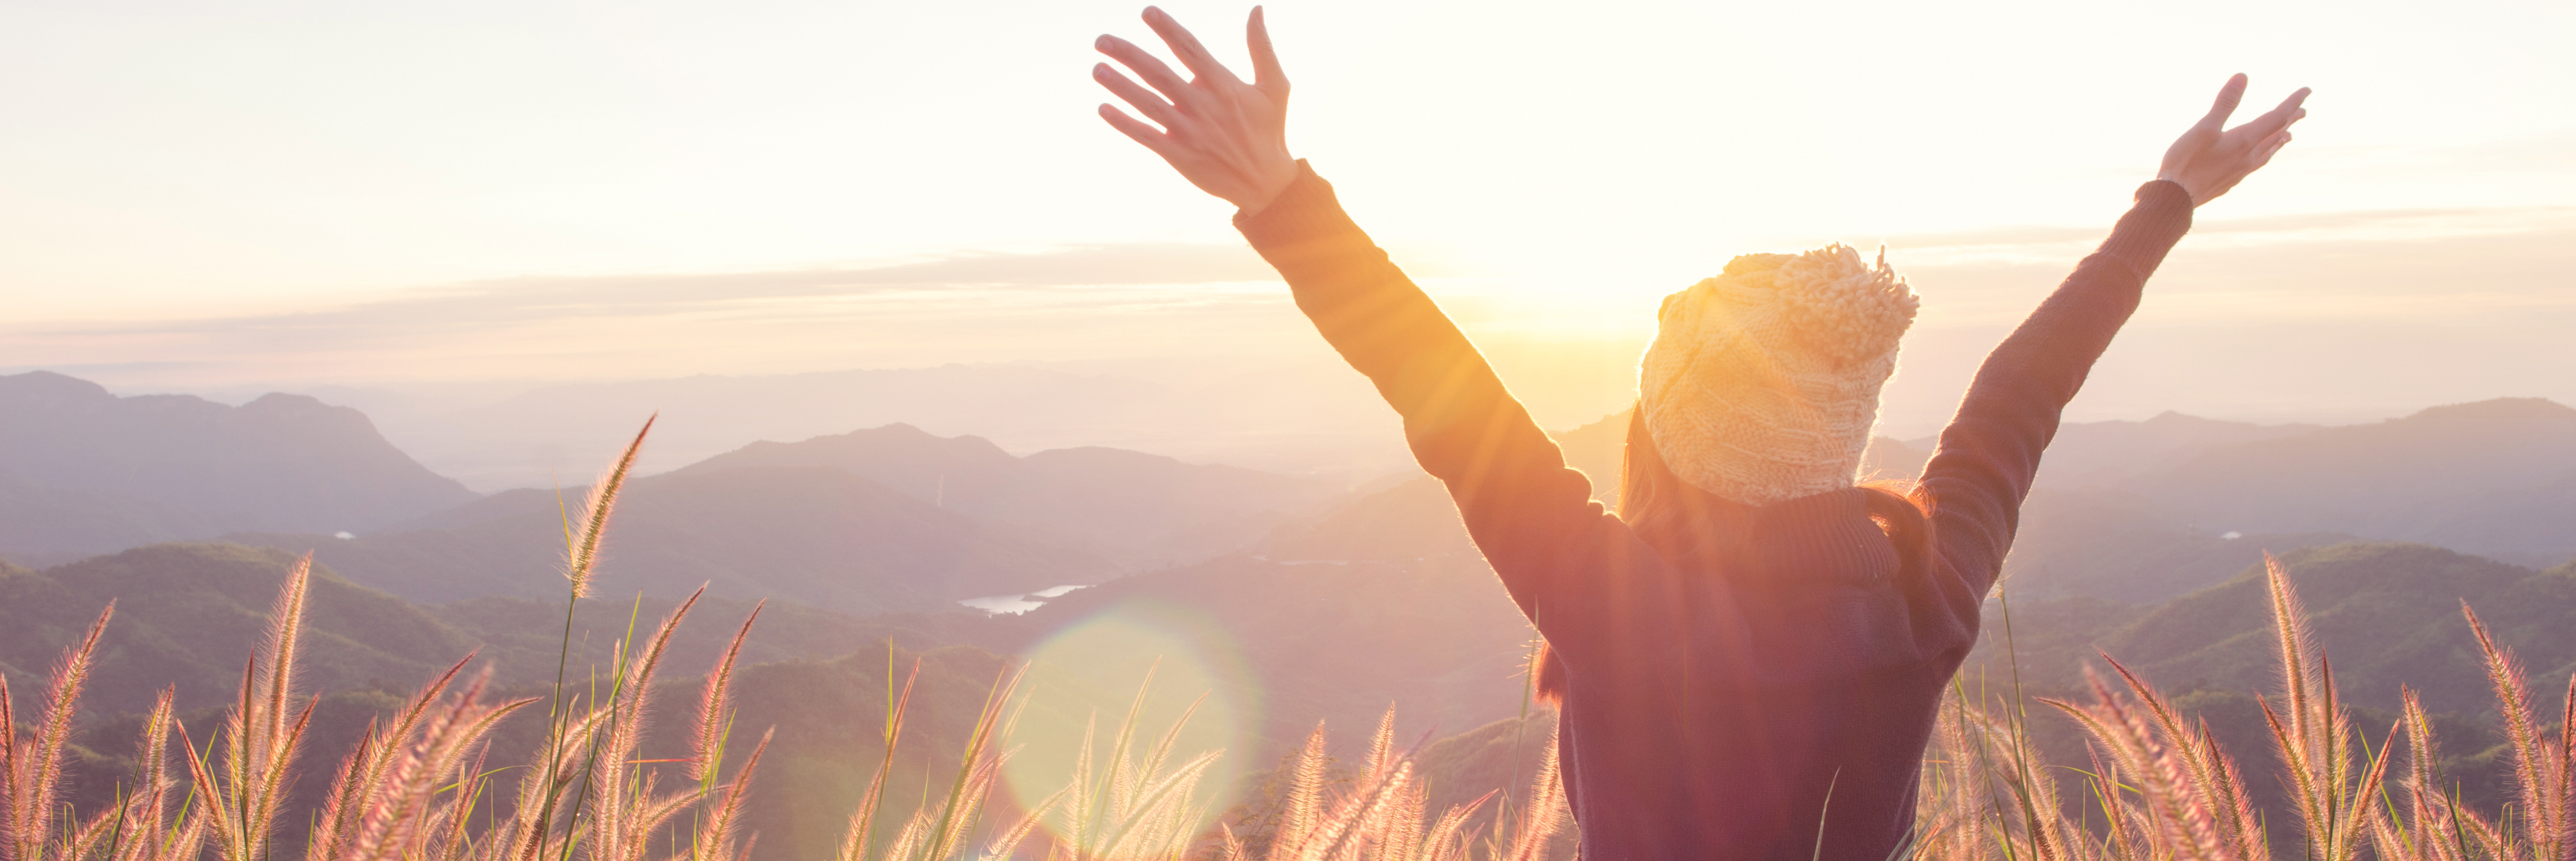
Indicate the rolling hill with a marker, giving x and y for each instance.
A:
(813, 535)
(885, 520)
(1148, 510)
(87, 471)
(2495, 475)
(188, 614)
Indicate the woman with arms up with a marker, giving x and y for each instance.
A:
(1749, 655)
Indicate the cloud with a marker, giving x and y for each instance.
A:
(512, 301)
(1166, 298)
(2060, 245)
(2550, 152)
(2426, 297)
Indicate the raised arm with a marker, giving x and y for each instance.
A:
(1990, 452)
(1525, 509)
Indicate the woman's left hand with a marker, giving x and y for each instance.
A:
(1225, 136)
(2207, 161)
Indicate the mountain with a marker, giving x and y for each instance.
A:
(813, 535)
(1152, 510)
(37, 521)
(1410, 521)
(2111, 453)
(1299, 414)
(2118, 546)
(89, 471)
(2492, 475)
(882, 520)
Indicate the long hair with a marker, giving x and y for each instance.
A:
(1675, 516)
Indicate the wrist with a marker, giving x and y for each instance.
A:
(1266, 187)
(2188, 192)
(1302, 210)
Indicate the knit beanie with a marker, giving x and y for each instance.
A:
(1762, 383)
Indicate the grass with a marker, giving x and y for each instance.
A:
(2160, 787)
(418, 784)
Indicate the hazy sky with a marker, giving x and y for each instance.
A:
(204, 195)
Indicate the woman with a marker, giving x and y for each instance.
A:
(1749, 655)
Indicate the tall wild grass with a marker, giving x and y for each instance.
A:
(420, 786)
(2160, 787)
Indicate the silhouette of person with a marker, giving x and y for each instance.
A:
(1749, 655)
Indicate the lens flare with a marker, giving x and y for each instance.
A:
(1090, 674)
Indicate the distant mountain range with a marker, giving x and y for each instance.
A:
(84, 471)
(883, 520)
(1292, 414)
(1148, 510)
(897, 518)
(2488, 476)
(815, 536)
(866, 522)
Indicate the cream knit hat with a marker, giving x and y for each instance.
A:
(1762, 384)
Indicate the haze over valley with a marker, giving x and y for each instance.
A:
(1287, 596)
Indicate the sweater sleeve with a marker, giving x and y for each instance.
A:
(1526, 510)
(1990, 452)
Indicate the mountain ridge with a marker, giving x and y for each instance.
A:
(161, 467)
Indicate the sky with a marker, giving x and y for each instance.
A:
(224, 198)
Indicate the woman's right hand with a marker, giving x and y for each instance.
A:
(1225, 136)
(2207, 162)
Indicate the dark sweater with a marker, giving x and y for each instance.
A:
(1713, 697)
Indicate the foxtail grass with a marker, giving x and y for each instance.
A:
(2159, 786)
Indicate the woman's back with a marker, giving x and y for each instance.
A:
(1780, 663)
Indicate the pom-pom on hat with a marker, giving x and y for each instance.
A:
(1762, 383)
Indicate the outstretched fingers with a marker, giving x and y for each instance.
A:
(1146, 66)
(1186, 46)
(2278, 118)
(1152, 138)
(1265, 60)
(2228, 97)
(1152, 106)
